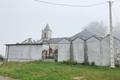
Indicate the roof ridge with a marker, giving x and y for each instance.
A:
(84, 34)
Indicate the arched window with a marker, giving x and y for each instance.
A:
(45, 35)
(50, 50)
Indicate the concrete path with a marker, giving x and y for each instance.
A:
(6, 78)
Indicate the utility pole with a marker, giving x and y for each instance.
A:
(112, 61)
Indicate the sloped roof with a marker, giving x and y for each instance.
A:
(98, 37)
(108, 35)
(56, 40)
(47, 28)
(85, 34)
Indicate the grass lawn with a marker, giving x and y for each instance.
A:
(57, 71)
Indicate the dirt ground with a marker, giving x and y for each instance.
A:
(6, 78)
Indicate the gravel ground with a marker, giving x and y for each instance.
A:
(6, 78)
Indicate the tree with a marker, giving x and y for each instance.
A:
(97, 28)
(100, 29)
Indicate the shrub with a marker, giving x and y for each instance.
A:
(69, 62)
(85, 63)
(93, 64)
(1, 58)
(117, 65)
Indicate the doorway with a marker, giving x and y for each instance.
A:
(50, 55)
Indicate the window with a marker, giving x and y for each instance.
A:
(45, 35)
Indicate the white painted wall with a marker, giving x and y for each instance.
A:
(94, 54)
(45, 47)
(78, 50)
(117, 51)
(24, 52)
(63, 50)
(106, 51)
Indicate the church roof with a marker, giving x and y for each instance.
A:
(56, 40)
(47, 28)
(84, 35)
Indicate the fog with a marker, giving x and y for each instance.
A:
(21, 19)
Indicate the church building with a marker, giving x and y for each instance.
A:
(84, 47)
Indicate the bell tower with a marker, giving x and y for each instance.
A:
(46, 33)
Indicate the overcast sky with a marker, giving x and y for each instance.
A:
(21, 19)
